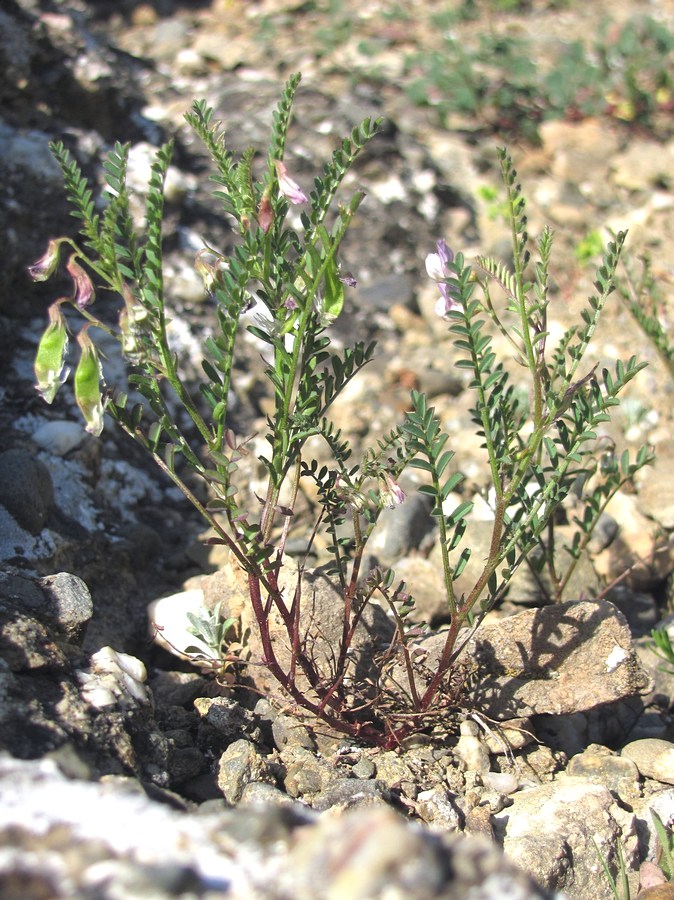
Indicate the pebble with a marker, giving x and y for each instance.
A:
(470, 750)
(239, 765)
(502, 782)
(601, 765)
(114, 679)
(654, 758)
(436, 809)
(70, 603)
(59, 436)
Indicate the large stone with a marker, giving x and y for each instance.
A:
(641, 555)
(553, 831)
(653, 757)
(26, 489)
(558, 659)
(321, 625)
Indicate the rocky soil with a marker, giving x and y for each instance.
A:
(124, 771)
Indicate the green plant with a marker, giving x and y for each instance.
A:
(619, 885)
(662, 647)
(642, 298)
(589, 248)
(535, 454)
(212, 629)
(666, 838)
(498, 79)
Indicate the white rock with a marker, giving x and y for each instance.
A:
(168, 617)
(471, 751)
(59, 437)
(503, 782)
(114, 679)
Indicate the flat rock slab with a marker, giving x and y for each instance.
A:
(558, 659)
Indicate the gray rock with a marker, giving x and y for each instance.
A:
(643, 165)
(288, 731)
(185, 763)
(239, 765)
(307, 775)
(608, 724)
(70, 603)
(385, 291)
(425, 580)
(114, 679)
(656, 490)
(364, 768)
(559, 659)
(347, 793)
(26, 489)
(533, 587)
(470, 750)
(129, 878)
(640, 609)
(662, 804)
(402, 529)
(225, 716)
(59, 436)
(435, 808)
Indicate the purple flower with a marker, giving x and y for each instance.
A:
(84, 288)
(437, 263)
(447, 301)
(437, 266)
(348, 279)
(289, 188)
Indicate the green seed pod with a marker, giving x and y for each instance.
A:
(50, 369)
(88, 378)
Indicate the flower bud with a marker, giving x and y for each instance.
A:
(88, 377)
(46, 265)
(265, 213)
(50, 369)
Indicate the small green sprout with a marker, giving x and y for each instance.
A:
(211, 629)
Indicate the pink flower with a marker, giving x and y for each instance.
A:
(46, 265)
(289, 188)
(84, 288)
(390, 491)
